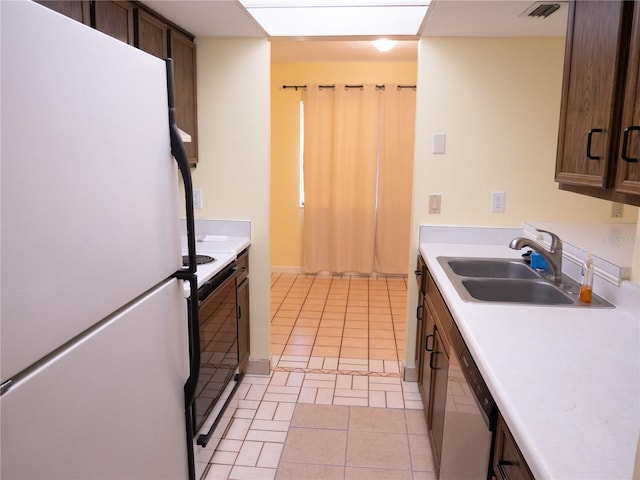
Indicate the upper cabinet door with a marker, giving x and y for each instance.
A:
(151, 34)
(115, 19)
(593, 76)
(183, 52)
(628, 169)
(79, 10)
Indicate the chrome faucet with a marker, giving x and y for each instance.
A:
(553, 256)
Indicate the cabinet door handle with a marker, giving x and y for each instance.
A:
(501, 464)
(625, 144)
(431, 358)
(426, 343)
(419, 312)
(589, 135)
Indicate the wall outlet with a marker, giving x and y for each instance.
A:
(497, 202)
(434, 203)
(616, 209)
(197, 198)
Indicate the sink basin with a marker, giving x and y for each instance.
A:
(491, 268)
(511, 281)
(516, 291)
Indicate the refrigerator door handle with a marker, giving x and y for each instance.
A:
(180, 154)
(189, 273)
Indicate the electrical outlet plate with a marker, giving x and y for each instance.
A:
(616, 209)
(497, 202)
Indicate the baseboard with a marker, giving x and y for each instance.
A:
(259, 367)
(410, 374)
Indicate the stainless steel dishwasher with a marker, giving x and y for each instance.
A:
(469, 419)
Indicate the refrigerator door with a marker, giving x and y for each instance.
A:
(109, 407)
(89, 189)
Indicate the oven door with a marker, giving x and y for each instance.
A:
(218, 332)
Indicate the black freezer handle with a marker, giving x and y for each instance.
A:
(189, 273)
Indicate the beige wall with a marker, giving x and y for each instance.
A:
(286, 215)
(233, 168)
(498, 101)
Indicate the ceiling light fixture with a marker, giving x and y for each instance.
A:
(326, 18)
(384, 44)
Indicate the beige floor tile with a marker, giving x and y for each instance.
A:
(325, 341)
(416, 422)
(356, 332)
(421, 458)
(317, 446)
(381, 343)
(377, 420)
(297, 350)
(383, 354)
(329, 331)
(382, 334)
(281, 329)
(332, 324)
(387, 450)
(301, 339)
(322, 351)
(361, 473)
(279, 339)
(304, 330)
(354, 352)
(321, 416)
(363, 324)
(355, 342)
(300, 471)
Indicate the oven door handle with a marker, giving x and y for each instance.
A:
(231, 278)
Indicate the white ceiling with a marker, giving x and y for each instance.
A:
(227, 18)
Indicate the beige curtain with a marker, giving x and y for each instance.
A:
(395, 179)
(342, 156)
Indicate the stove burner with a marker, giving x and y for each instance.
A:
(200, 259)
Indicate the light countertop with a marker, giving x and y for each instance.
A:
(566, 380)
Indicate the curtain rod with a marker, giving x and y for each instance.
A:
(378, 87)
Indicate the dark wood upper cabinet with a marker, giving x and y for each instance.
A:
(115, 18)
(183, 52)
(628, 168)
(79, 10)
(599, 38)
(133, 23)
(150, 34)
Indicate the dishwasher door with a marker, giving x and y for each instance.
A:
(468, 422)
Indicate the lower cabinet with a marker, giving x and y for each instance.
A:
(437, 397)
(434, 320)
(508, 462)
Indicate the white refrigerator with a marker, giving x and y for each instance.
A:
(94, 332)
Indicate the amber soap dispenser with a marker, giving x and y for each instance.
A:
(586, 281)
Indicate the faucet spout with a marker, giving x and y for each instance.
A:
(553, 255)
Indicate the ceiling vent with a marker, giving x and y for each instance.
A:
(541, 10)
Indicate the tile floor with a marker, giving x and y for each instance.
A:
(335, 405)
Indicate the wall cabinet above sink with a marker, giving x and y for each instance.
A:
(599, 135)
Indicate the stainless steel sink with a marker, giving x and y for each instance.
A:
(511, 281)
(515, 291)
(491, 268)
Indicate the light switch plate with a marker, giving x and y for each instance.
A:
(197, 198)
(434, 203)
(439, 143)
